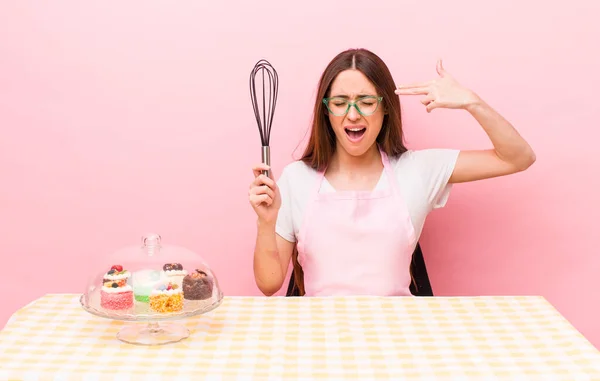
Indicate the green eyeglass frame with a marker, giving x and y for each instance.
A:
(353, 104)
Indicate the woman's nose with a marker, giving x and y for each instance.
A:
(353, 114)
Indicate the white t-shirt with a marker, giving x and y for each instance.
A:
(422, 177)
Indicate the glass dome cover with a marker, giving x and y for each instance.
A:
(151, 282)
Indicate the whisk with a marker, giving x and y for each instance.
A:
(270, 88)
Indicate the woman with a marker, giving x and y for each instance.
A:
(350, 212)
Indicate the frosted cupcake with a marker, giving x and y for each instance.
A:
(116, 294)
(144, 281)
(174, 273)
(166, 298)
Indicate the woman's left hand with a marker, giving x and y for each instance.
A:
(442, 92)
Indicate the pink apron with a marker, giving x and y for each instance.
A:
(357, 242)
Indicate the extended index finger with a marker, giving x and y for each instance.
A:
(412, 91)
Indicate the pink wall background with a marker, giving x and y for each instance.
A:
(118, 119)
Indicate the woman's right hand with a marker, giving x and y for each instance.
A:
(264, 195)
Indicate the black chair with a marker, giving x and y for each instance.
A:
(419, 287)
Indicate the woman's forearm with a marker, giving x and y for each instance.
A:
(510, 147)
(268, 270)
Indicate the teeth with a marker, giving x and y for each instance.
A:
(356, 129)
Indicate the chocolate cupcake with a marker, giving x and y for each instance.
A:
(197, 286)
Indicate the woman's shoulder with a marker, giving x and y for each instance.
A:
(297, 171)
(296, 181)
(426, 157)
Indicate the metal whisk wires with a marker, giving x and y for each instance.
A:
(264, 101)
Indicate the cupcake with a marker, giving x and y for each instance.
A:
(197, 286)
(116, 294)
(174, 273)
(144, 281)
(166, 298)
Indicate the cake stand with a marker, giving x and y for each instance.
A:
(153, 286)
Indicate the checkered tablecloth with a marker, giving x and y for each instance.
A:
(278, 338)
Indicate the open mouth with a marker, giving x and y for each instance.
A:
(355, 134)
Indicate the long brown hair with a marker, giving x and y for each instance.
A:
(322, 144)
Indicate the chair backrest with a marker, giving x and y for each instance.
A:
(421, 285)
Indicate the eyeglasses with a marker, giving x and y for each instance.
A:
(339, 106)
